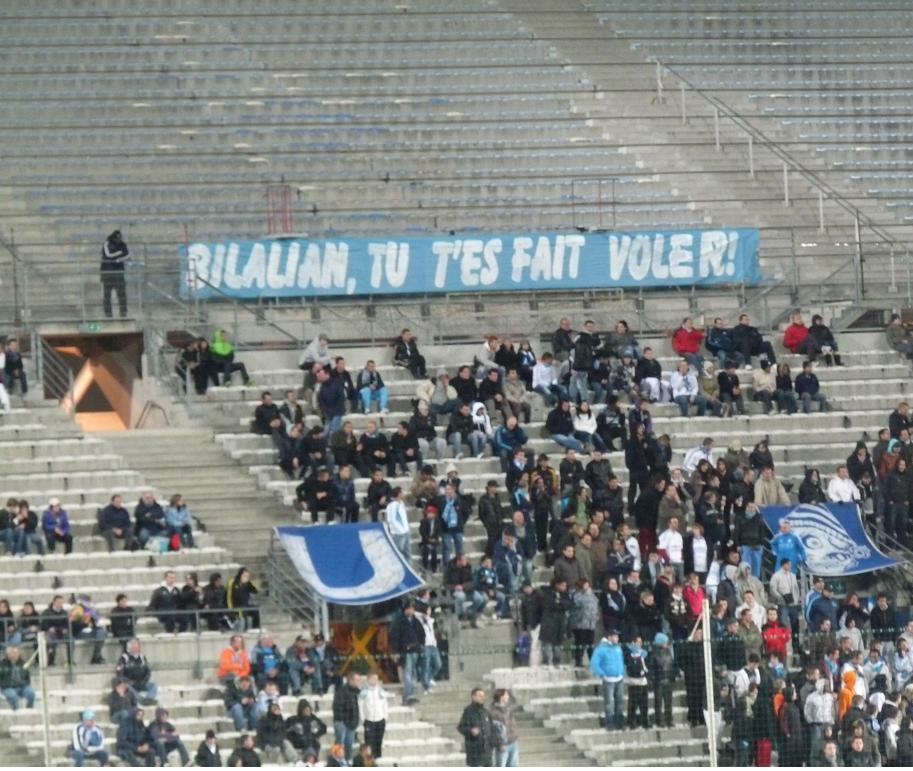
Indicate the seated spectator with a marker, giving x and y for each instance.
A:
(134, 740)
(769, 491)
(748, 342)
(899, 336)
(121, 701)
(268, 694)
(180, 521)
(730, 391)
(346, 504)
(234, 661)
(165, 738)
(244, 755)
(114, 523)
(422, 425)
(344, 447)
(686, 391)
(86, 624)
(240, 594)
(298, 665)
(223, 358)
(458, 578)
(317, 494)
(241, 702)
(316, 354)
(215, 604)
(404, 448)
(461, 430)
(190, 603)
(149, 518)
(545, 381)
(165, 601)
(686, 342)
(517, 396)
(809, 390)
(526, 362)
(899, 420)
(326, 662)
(15, 680)
(560, 425)
(313, 451)
(28, 626)
(24, 531)
(304, 728)
(481, 422)
(291, 410)
(507, 440)
(439, 394)
(796, 339)
(491, 394)
(123, 620)
(824, 341)
(55, 522)
(784, 393)
(134, 669)
(88, 742)
(841, 488)
(267, 418)
(378, 494)
(271, 736)
(14, 369)
(430, 533)
(371, 388)
(406, 354)
(763, 386)
(484, 360)
(55, 623)
(374, 449)
(720, 343)
(267, 663)
(648, 376)
(208, 754)
(586, 429)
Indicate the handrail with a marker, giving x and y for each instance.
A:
(148, 407)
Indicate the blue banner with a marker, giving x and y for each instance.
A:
(834, 537)
(349, 564)
(292, 267)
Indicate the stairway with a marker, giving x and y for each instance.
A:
(218, 491)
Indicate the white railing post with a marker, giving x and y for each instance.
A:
(708, 683)
(785, 183)
(716, 127)
(684, 113)
(750, 156)
(820, 211)
(659, 83)
(43, 685)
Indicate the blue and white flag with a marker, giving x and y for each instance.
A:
(833, 535)
(354, 564)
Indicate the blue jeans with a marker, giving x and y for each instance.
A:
(12, 695)
(509, 757)
(22, 542)
(808, 398)
(344, 736)
(150, 689)
(431, 665)
(752, 555)
(568, 442)
(379, 394)
(700, 401)
(403, 544)
(786, 400)
(451, 405)
(459, 604)
(613, 697)
(453, 541)
(551, 654)
(9, 380)
(475, 440)
(244, 716)
(694, 359)
(551, 394)
(80, 757)
(595, 439)
(579, 386)
(410, 670)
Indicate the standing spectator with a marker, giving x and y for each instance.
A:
(88, 742)
(784, 591)
(788, 546)
(477, 730)
(636, 683)
(686, 342)
(133, 667)
(373, 710)
(809, 390)
(563, 340)
(584, 616)
(180, 521)
(555, 606)
(748, 342)
(345, 711)
(55, 623)
(398, 523)
(123, 620)
(431, 657)
(661, 672)
(454, 514)
(85, 624)
(331, 398)
(407, 641)
(15, 681)
(507, 751)
(430, 533)
(608, 665)
(114, 255)
(344, 378)
(114, 523)
(55, 522)
(165, 601)
(14, 369)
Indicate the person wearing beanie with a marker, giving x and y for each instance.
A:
(208, 754)
(661, 672)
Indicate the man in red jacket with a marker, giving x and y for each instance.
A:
(686, 342)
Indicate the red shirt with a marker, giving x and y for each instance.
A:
(794, 334)
(776, 636)
(687, 341)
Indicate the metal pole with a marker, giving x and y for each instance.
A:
(614, 181)
(17, 319)
(909, 288)
(750, 156)
(820, 211)
(325, 619)
(860, 282)
(659, 83)
(708, 683)
(785, 183)
(893, 287)
(43, 685)
(716, 126)
(684, 114)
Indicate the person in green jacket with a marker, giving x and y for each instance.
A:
(222, 353)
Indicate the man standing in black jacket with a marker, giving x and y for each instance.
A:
(476, 727)
(345, 711)
(113, 256)
(407, 640)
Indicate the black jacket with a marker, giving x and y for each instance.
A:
(407, 635)
(245, 758)
(206, 759)
(479, 745)
(560, 421)
(345, 705)
(555, 607)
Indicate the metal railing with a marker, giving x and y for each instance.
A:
(55, 374)
(289, 592)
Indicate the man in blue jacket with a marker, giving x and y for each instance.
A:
(788, 546)
(608, 664)
(332, 401)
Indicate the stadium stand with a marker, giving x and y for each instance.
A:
(174, 121)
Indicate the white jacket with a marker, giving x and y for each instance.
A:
(842, 490)
(585, 421)
(397, 518)
(543, 375)
(683, 385)
(373, 704)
